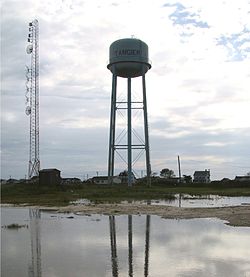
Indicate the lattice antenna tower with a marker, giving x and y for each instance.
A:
(32, 97)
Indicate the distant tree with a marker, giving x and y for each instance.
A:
(248, 173)
(154, 174)
(124, 176)
(187, 178)
(167, 173)
(123, 173)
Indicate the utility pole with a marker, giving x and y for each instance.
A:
(179, 167)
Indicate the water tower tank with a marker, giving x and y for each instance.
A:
(128, 58)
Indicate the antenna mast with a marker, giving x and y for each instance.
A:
(32, 97)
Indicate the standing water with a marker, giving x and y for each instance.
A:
(53, 244)
(187, 201)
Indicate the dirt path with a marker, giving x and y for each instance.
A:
(235, 216)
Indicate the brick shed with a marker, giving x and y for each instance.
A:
(50, 176)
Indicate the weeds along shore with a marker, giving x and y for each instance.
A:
(62, 195)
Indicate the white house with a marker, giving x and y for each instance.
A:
(103, 180)
(202, 176)
(242, 178)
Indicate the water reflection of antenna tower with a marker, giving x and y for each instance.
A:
(114, 257)
(35, 268)
(32, 97)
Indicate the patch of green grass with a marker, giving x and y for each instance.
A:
(33, 194)
(15, 226)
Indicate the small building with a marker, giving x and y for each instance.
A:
(224, 180)
(12, 181)
(103, 180)
(49, 177)
(173, 180)
(242, 178)
(73, 180)
(202, 176)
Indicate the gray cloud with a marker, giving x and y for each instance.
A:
(200, 149)
(75, 90)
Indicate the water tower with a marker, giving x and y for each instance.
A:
(128, 58)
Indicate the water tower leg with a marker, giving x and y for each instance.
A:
(148, 166)
(114, 258)
(130, 246)
(129, 135)
(147, 241)
(112, 131)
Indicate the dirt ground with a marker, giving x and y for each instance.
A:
(234, 216)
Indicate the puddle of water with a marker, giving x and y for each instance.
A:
(98, 245)
(186, 200)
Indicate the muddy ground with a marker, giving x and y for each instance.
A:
(234, 216)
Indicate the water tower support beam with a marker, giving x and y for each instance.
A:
(148, 166)
(129, 135)
(147, 242)
(130, 246)
(112, 131)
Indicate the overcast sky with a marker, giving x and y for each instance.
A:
(198, 87)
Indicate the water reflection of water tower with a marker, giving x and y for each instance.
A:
(128, 58)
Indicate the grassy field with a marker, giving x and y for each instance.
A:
(34, 194)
